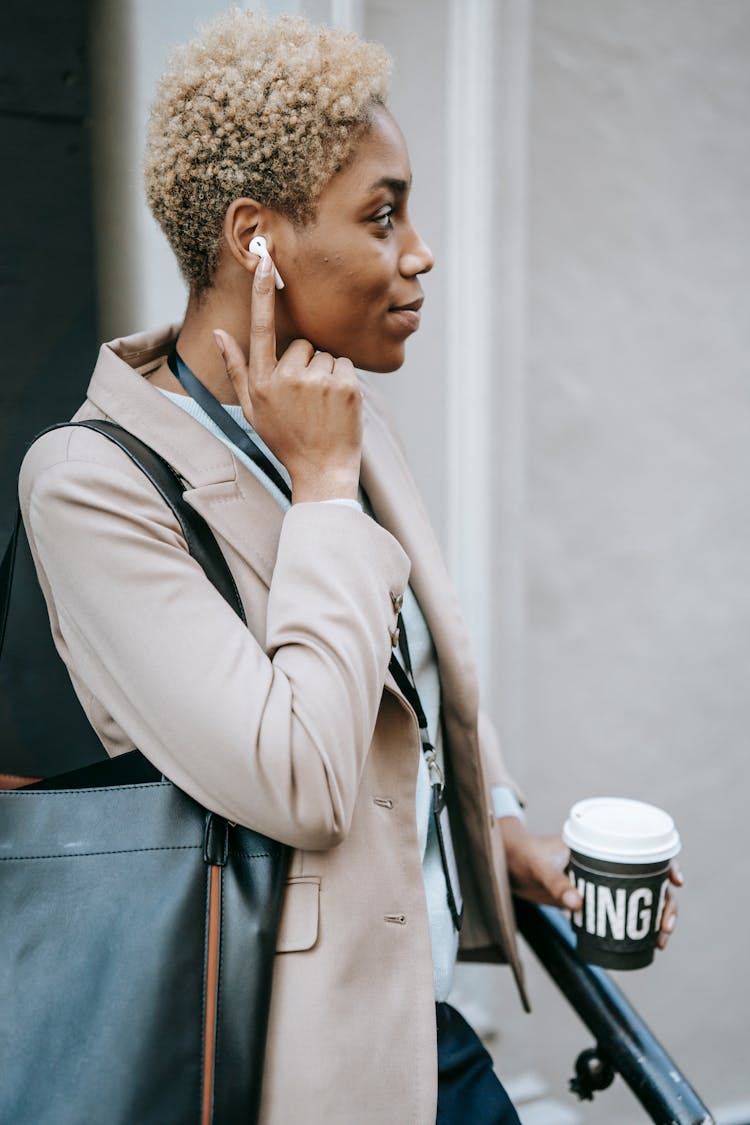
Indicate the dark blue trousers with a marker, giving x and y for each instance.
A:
(469, 1091)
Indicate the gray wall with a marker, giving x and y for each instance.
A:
(578, 416)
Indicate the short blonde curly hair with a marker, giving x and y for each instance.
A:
(258, 107)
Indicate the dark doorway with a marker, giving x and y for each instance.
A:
(49, 316)
(47, 287)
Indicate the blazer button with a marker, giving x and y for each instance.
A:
(396, 633)
(397, 601)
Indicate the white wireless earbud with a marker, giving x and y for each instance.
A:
(258, 246)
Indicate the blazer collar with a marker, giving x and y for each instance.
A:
(119, 390)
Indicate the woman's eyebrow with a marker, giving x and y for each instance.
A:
(397, 186)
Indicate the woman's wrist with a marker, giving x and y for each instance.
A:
(325, 486)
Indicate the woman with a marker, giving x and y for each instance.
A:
(297, 727)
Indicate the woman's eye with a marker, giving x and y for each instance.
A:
(384, 218)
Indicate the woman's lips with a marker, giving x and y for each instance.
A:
(408, 316)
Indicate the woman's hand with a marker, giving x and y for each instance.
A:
(536, 867)
(669, 915)
(307, 407)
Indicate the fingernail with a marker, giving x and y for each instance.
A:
(265, 265)
(219, 342)
(669, 924)
(572, 900)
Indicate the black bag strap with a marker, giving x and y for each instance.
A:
(7, 567)
(200, 539)
(198, 536)
(201, 544)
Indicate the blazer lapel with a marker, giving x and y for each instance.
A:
(388, 482)
(232, 501)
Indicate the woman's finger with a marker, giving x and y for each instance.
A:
(668, 922)
(562, 893)
(322, 360)
(236, 369)
(554, 856)
(296, 357)
(669, 915)
(537, 865)
(262, 356)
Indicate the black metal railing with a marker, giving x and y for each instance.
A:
(624, 1044)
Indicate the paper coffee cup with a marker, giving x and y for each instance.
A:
(620, 852)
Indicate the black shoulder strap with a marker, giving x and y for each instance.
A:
(198, 535)
(7, 566)
(34, 740)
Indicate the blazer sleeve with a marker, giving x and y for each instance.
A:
(273, 738)
(493, 762)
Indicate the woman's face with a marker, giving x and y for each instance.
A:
(352, 275)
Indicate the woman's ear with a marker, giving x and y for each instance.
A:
(246, 218)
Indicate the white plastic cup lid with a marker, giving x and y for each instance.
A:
(621, 830)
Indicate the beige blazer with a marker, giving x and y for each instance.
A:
(294, 727)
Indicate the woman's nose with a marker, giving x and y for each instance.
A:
(416, 256)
